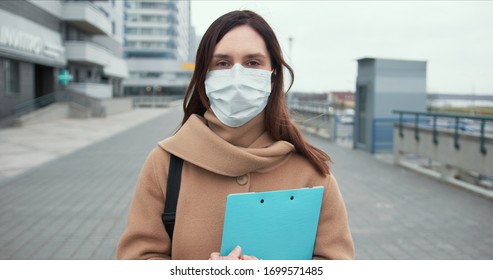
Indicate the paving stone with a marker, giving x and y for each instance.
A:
(75, 205)
(381, 197)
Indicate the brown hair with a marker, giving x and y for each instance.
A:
(277, 120)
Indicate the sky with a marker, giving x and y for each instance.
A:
(455, 38)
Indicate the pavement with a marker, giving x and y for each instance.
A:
(66, 187)
(67, 193)
(22, 148)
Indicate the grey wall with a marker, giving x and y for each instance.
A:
(391, 85)
(26, 88)
(31, 12)
(399, 85)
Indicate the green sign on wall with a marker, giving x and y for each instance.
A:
(64, 77)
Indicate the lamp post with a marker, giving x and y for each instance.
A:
(290, 39)
(472, 105)
(290, 54)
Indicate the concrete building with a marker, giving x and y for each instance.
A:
(382, 86)
(465, 100)
(93, 47)
(341, 99)
(157, 47)
(38, 39)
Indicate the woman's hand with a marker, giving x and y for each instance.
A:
(234, 255)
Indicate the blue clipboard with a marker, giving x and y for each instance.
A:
(277, 225)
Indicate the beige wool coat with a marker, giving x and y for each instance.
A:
(218, 161)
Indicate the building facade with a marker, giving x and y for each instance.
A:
(39, 39)
(341, 99)
(157, 47)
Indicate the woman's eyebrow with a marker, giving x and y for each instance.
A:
(254, 55)
(248, 56)
(220, 55)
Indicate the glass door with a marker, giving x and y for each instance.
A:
(361, 98)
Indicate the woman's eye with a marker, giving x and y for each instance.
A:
(253, 63)
(222, 64)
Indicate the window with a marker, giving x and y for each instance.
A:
(183, 75)
(12, 77)
(132, 44)
(171, 45)
(150, 75)
(132, 30)
(140, 74)
(169, 76)
(361, 93)
(151, 5)
(171, 19)
(160, 6)
(133, 18)
(150, 54)
(146, 31)
(150, 45)
(76, 76)
(133, 74)
(171, 32)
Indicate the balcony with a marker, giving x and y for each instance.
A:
(149, 38)
(87, 53)
(101, 91)
(116, 68)
(175, 82)
(87, 17)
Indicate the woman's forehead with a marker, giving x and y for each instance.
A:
(241, 40)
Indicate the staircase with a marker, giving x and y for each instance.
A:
(56, 105)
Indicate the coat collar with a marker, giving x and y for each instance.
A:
(200, 145)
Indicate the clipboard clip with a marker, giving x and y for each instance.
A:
(263, 200)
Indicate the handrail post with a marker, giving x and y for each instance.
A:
(401, 134)
(482, 147)
(373, 136)
(416, 127)
(333, 121)
(435, 132)
(456, 134)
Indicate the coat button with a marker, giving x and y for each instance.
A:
(242, 180)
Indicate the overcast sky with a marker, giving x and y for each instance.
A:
(454, 37)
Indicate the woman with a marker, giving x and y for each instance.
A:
(236, 136)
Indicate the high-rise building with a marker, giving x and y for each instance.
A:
(157, 47)
(39, 39)
(93, 40)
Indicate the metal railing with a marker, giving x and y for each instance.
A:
(382, 137)
(458, 123)
(156, 100)
(316, 115)
(33, 104)
(94, 104)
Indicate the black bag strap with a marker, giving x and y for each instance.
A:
(172, 192)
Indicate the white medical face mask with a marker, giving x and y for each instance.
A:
(238, 94)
